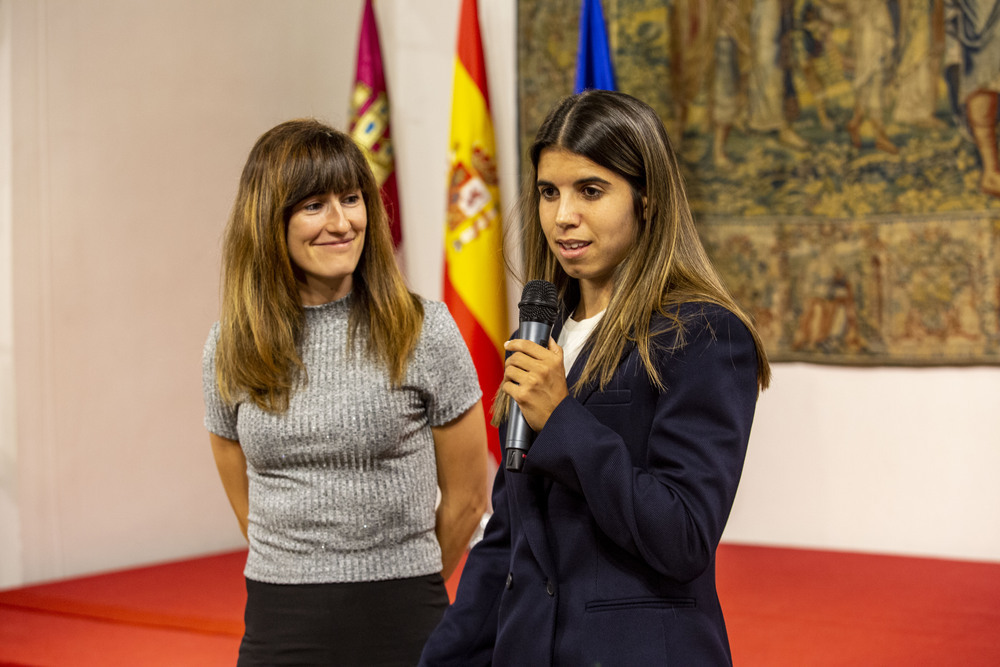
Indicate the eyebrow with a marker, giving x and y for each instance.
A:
(578, 182)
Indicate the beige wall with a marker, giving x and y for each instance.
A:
(891, 460)
(131, 121)
(128, 132)
(121, 140)
(10, 523)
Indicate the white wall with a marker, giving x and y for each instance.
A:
(418, 47)
(130, 122)
(892, 460)
(10, 521)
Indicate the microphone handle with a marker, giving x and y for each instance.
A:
(519, 434)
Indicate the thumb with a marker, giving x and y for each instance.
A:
(554, 347)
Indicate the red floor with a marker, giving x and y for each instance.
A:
(816, 608)
(783, 607)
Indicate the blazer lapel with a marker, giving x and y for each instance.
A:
(528, 494)
(577, 370)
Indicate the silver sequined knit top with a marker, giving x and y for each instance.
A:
(343, 485)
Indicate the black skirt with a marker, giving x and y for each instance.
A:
(365, 623)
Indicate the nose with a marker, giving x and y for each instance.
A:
(566, 215)
(336, 220)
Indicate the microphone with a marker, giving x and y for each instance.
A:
(537, 311)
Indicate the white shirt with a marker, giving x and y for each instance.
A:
(573, 336)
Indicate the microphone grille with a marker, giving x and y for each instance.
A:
(539, 302)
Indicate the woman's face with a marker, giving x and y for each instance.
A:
(587, 215)
(325, 236)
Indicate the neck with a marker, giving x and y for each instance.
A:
(594, 298)
(316, 293)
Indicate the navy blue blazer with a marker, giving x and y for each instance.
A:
(601, 551)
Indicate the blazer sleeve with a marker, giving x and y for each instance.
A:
(467, 632)
(669, 509)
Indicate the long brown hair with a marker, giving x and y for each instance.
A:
(263, 321)
(668, 265)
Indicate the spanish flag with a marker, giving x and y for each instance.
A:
(370, 118)
(474, 287)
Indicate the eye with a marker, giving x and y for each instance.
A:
(351, 199)
(548, 192)
(312, 206)
(591, 191)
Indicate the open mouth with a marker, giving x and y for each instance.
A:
(572, 249)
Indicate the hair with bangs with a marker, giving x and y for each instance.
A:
(667, 266)
(262, 323)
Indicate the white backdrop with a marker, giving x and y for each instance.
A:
(123, 127)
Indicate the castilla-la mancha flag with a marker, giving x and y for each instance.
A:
(474, 286)
(370, 118)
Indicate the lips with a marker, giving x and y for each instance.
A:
(336, 243)
(572, 248)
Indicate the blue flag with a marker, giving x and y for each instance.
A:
(593, 58)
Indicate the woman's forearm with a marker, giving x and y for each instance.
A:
(232, 465)
(457, 520)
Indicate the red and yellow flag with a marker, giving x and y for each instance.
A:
(370, 118)
(474, 286)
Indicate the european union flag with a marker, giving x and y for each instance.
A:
(593, 58)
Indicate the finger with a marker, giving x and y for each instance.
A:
(556, 352)
(519, 360)
(528, 363)
(514, 390)
(524, 346)
(516, 375)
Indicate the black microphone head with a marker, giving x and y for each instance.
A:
(539, 302)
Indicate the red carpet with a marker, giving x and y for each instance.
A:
(816, 608)
(783, 607)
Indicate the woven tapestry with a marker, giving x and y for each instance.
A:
(840, 158)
